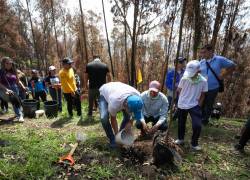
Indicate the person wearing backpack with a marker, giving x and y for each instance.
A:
(211, 66)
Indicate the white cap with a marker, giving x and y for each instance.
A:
(52, 68)
(192, 68)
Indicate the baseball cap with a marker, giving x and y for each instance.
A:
(154, 86)
(192, 68)
(52, 68)
(135, 106)
(181, 59)
(67, 61)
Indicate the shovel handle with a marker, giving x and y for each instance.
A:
(73, 149)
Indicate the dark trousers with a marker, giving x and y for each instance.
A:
(4, 105)
(208, 103)
(162, 127)
(196, 117)
(73, 100)
(56, 96)
(93, 95)
(42, 95)
(245, 135)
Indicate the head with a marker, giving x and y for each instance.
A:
(67, 63)
(154, 88)
(34, 73)
(192, 69)
(134, 105)
(7, 64)
(206, 52)
(52, 70)
(181, 62)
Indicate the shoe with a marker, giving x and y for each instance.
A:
(179, 141)
(239, 148)
(196, 148)
(20, 119)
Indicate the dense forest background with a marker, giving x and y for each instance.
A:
(147, 36)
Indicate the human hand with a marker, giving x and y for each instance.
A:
(73, 94)
(9, 92)
(145, 128)
(154, 129)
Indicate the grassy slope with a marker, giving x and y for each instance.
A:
(34, 148)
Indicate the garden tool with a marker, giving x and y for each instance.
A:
(68, 159)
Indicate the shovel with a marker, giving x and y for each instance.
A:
(68, 159)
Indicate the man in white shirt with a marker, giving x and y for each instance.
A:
(191, 88)
(115, 97)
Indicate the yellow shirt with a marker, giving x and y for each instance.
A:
(68, 81)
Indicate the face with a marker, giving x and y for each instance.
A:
(181, 65)
(34, 74)
(8, 65)
(52, 72)
(153, 94)
(205, 54)
(67, 66)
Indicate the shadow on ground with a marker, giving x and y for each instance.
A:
(87, 121)
(60, 122)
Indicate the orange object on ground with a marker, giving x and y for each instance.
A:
(68, 159)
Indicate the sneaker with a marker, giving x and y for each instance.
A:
(179, 141)
(20, 119)
(196, 148)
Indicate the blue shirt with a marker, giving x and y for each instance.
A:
(156, 107)
(170, 79)
(217, 63)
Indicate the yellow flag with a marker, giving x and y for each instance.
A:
(139, 76)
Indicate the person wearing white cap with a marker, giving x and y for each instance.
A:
(53, 83)
(155, 109)
(191, 89)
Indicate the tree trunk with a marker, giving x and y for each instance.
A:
(230, 24)
(197, 27)
(83, 33)
(33, 34)
(125, 43)
(54, 24)
(134, 45)
(110, 56)
(217, 23)
(177, 55)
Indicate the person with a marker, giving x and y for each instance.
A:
(155, 108)
(216, 63)
(115, 97)
(23, 95)
(96, 73)
(69, 89)
(37, 87)
(4, 106)
(170, 78)
(191, 89)
(244, 138)
(245, 132)
(9, 83)
(53, 83)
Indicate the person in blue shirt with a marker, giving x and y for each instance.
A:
(155, 109)
(37, 86)
(217, 63)
(170, 78)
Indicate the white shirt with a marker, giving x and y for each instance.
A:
(191, 92)
(115, 93)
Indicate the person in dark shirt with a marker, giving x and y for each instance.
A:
(96, 74)
(53, 83)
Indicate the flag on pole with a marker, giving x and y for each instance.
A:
(139, 76)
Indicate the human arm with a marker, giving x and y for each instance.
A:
(114, 124)
(227, 67)
(201, 99)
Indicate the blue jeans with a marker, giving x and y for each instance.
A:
(104, 115)
(16, 109)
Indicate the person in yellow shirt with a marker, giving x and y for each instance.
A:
(68, 83)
